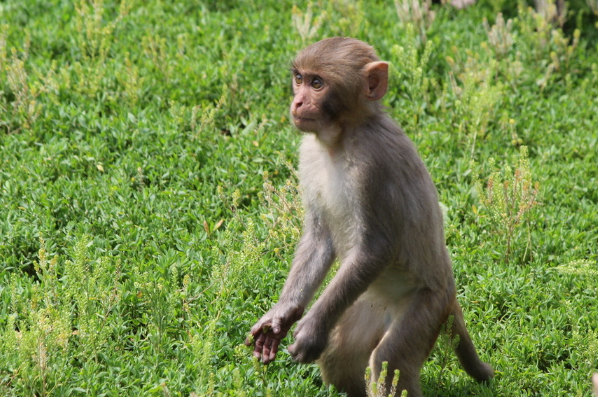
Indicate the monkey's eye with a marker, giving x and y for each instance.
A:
(317, 83)
(298, 79)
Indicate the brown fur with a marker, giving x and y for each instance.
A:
(370, 202)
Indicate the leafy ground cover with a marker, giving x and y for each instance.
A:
(149, 210)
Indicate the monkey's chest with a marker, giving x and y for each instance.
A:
(334, 199)
(329, 192)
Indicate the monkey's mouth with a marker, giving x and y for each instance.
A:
(297, 119)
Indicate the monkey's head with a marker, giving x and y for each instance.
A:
(335, 81)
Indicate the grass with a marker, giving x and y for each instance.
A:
(146, 220)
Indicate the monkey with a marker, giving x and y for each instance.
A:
(370, 203)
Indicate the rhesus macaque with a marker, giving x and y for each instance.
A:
(370, 202)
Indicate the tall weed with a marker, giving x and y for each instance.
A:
(553, 11)
(413, 78)
(417, 13)
(473, 83)
(304, 22)
(500, 35)
(25, 108)
(95, 35)
(508, 200)
(378, 387)
(235, 270)
(349, 17)
(544, 43)
(69, 314)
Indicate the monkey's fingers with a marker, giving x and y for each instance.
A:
(259, 346)
(268, 353)
(277, 323)
(259, 327)
(302, 354)
(253, 336)
(250, 340)
(292, 349)
(275, 344)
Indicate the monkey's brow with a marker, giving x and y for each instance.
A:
(305, 73)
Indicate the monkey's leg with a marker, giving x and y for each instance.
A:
(351, 343)
(410, 339)
(468, 357)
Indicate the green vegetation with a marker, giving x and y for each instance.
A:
(149, 210)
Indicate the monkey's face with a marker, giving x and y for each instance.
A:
(310, 108)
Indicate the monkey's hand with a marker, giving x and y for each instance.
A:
(267, 333)
(311, 338)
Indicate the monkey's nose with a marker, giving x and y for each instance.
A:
(297, 103)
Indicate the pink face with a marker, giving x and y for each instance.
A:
(306, 109)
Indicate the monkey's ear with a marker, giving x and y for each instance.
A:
(376, 75)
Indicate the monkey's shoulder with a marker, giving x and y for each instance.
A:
(388, 154)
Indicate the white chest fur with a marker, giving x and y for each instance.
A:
(327, 190)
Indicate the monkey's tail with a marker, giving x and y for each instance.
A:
(465, 350)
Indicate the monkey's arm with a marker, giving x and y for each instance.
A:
(313, 258)
(314, 255)
(358, 270)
